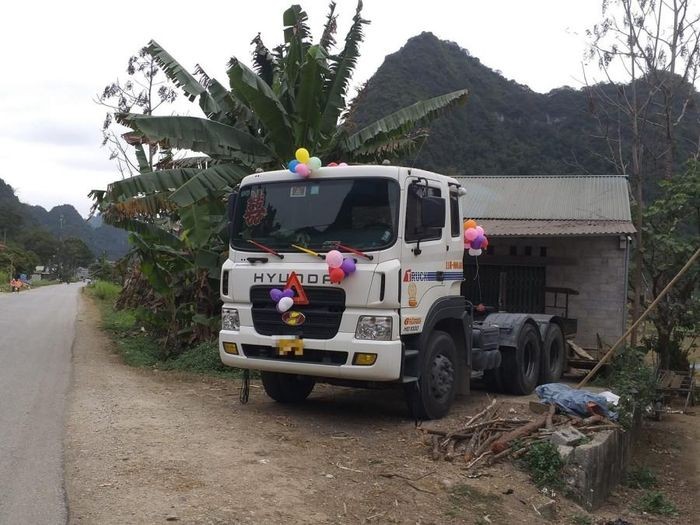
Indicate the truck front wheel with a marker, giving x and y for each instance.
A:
(432, 396)
(287, 388)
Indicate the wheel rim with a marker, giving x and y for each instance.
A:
(442, 377)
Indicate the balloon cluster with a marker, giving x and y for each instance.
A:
(283, 298)
(474, 238)
(304, 164)
(339, 267)
(337, 165)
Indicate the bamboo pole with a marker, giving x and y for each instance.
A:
(641, 318)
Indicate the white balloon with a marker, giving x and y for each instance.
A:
(285, 304)
(474, 252)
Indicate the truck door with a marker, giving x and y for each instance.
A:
(424, 251)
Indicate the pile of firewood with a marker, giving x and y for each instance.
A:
(491, 435)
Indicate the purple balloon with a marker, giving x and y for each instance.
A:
(476, 243)
(276, 294)
(288, 293)
(348, 266)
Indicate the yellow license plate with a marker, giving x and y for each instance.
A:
(290, 347)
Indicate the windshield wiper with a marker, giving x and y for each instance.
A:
(355, 251)
(266, 249)
(308, 251)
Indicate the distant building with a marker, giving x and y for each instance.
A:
(44, 273)
(557, 245)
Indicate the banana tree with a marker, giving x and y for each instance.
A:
(293, 95)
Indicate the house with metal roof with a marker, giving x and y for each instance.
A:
(558, 245)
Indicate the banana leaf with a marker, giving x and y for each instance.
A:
(202, 135)
(207, 182)
(342, 67)
(259, 97)
(152, 182)
(402, 121)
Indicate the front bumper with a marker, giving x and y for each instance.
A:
(386, 368)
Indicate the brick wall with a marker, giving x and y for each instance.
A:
(595, 267)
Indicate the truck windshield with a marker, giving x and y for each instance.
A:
(361, 212)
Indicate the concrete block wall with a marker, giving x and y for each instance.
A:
(597, 272)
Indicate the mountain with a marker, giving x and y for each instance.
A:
(504, 128)
(61, 222)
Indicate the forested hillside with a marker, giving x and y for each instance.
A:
(505, 127)
(33, 229)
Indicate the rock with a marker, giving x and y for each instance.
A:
(566, 436)
(548, 509)
(448, 484)
(172, 518)
(565, 451)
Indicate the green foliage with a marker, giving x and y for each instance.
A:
(104, 290)
(632, 379)
(655, 502)
(671, 236)
(640, 478)
(544, 464)
(581, 519)
(202, 359)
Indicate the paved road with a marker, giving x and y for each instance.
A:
(36, 335)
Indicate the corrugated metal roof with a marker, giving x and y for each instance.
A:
(546, 197)
(540, 228)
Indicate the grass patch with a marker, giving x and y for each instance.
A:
(581, 519)
(202, 359)
(655, 502)
(104, 290)
(544, 464)
(640, 478)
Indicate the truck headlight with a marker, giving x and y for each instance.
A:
(373, 328)
(230, 319)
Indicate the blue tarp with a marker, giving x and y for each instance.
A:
(573, 401)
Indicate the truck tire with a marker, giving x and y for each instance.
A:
(521, 365)
(553, 359)
(432, 396)
(287, 388)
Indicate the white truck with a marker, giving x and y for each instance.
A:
(399, 320)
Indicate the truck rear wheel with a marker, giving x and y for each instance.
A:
(553, 356)
(520, 368)
(432, 396)
(287, 388)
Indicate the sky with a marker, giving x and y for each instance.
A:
(55, 57)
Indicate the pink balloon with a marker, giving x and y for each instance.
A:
(471, 234)
(334, 259)
(302, 169)
(342, 165)
(480, 230)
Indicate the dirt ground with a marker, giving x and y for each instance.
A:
(152, 447)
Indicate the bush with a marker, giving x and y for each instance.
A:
(544, 464)
(656, 503)
(203, 358)
(633, 380)
(640, 478)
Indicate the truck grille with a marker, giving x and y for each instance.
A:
(323, 313)
(320, 357)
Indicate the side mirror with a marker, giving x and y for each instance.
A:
(230, 209)
(433, 212)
